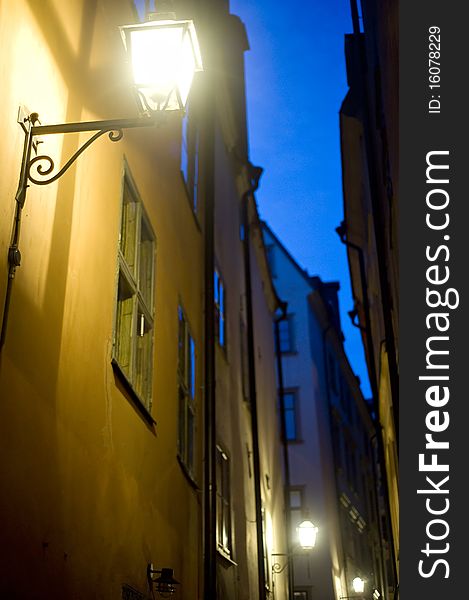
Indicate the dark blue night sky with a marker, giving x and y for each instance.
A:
(296, 81)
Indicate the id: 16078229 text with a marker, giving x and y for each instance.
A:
(434, 69)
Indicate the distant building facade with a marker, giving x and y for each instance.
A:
(330, 440)
(370, 164)
(103, 373)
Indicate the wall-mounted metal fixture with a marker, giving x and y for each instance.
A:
(164, 55)
(164, 584)
(307, 534)
(358, 585)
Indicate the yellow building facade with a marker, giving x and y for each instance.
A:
(102, 367)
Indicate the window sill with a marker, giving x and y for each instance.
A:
(187, 474)
(131, 394)
(225, 558)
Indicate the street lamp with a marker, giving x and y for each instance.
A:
(358, 585)
(164, 54)
(307, 534)
(165, 583)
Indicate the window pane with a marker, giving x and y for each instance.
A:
(186, 374)
(184, 146)
(182, 424)
(128, 244)
(191, 374)
(216, 280)
(182, 345)
(143, 358)
(284, 335)
(223, 502)
(219, 301)
(289, 401)
(222, 330)
(295, 499)
(290, 425)
(146, 265)
(123, 347)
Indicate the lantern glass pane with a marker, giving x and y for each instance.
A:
(164, 58)
(155, 61)
(307, 533)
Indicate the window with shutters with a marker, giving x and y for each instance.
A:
(134, 320)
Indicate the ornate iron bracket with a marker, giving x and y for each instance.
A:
(38, 170)
(35, 162)
(277, 567)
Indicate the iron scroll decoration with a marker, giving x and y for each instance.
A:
(38, 170)
(36, 163)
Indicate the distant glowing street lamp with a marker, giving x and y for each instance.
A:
(164, 55)
(307, 533)
(358, 585)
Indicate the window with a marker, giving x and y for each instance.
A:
(301, 595)
(186, 392)
(286, 335)
(190, 155)
(296, 499)
(220, 316)
(133, 334)
(289, 402)
(223, 502)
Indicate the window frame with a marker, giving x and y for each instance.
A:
(142, 301)
(294, 393)
(302, 593)
(190, 154)
(223, 496)
(219, 308)
(186, 394)
(288, 323)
